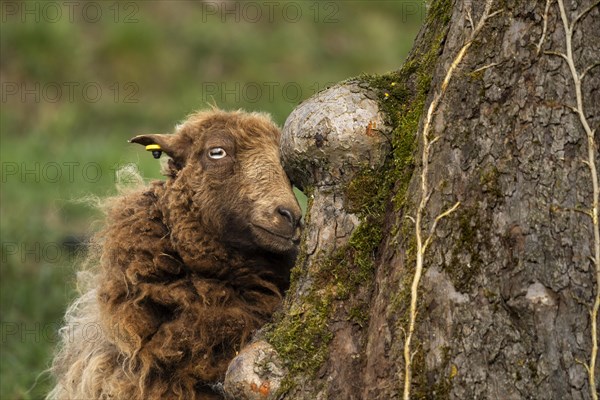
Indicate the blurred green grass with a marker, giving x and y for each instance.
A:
(76, 87)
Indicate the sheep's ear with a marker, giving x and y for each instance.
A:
(170, 144)
(164, 141)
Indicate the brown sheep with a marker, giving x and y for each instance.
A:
(188, 267)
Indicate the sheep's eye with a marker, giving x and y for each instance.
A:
(216, 153)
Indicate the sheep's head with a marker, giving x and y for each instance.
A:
(225, 171)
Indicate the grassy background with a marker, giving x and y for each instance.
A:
(77, 82)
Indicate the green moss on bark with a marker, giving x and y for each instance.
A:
(301, 338)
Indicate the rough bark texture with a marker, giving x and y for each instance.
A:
(509, 284)
(504, 302)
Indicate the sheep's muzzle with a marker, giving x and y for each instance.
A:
(279, 231)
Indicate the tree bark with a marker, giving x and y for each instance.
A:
(509, 278)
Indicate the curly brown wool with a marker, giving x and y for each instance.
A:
(186, 269)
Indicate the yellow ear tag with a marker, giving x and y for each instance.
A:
(155, 149)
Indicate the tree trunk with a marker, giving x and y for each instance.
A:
(486, 149)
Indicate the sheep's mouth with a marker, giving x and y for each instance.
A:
(279, 235)
(275, 238)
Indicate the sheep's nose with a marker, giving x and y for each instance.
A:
(289, 216)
